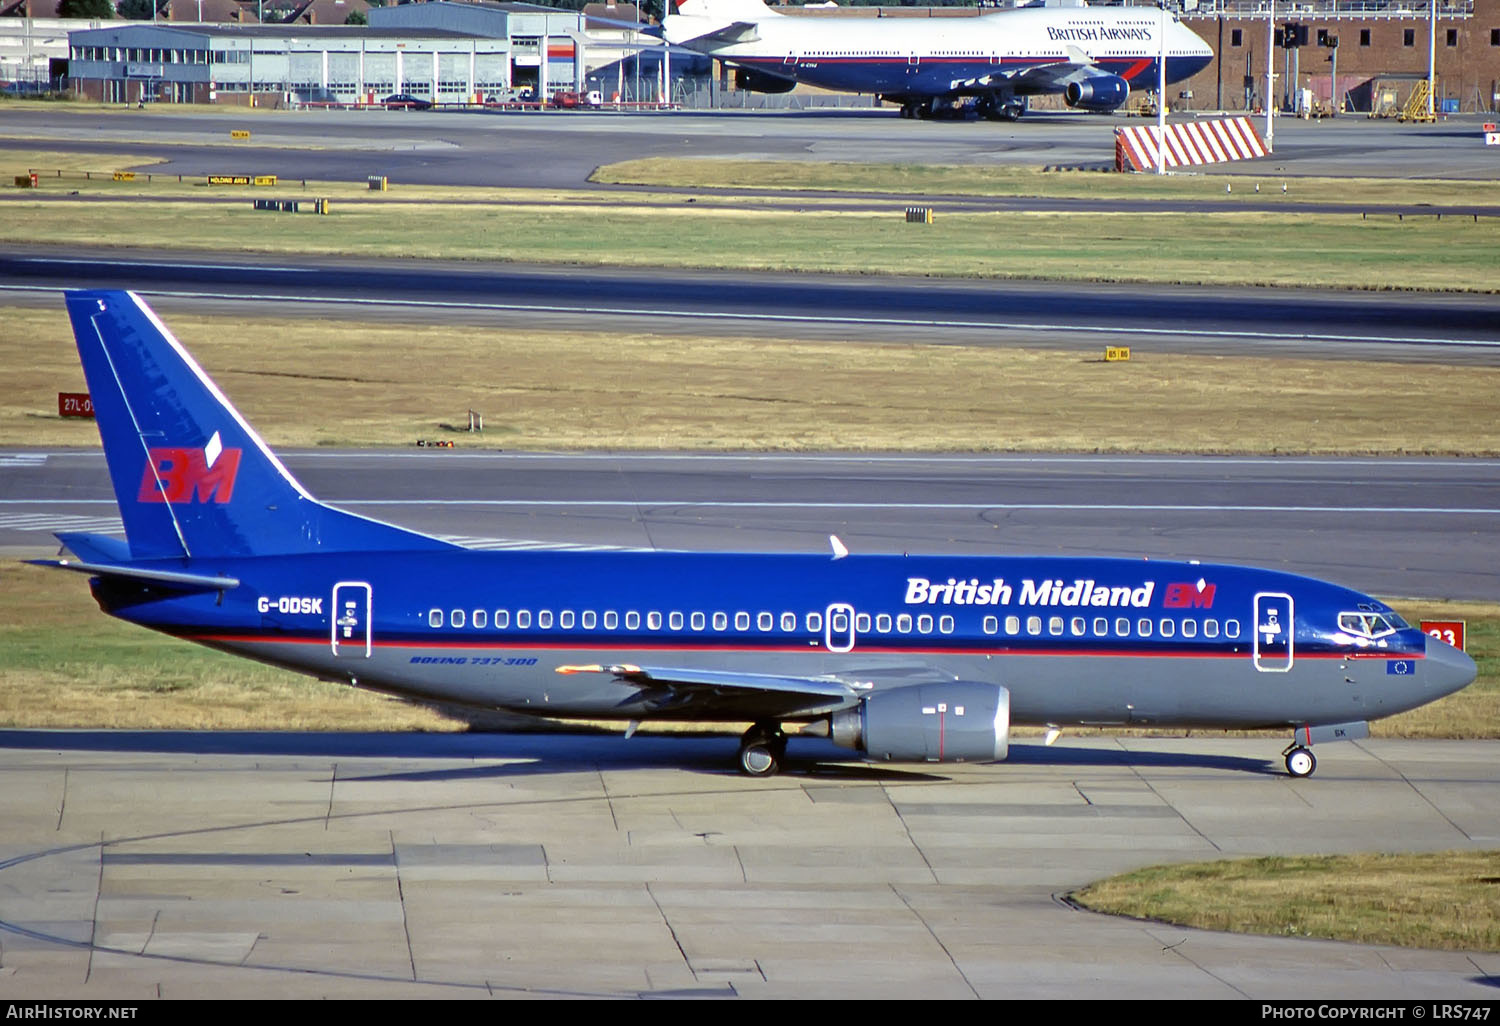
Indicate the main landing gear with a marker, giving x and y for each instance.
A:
(1299, 760)
(762, 750)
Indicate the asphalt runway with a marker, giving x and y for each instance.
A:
(1393, 527)
(138, 866)
(1454, 328)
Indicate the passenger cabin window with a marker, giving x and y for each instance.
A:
(1210, 628)
(523, 618)
(698, 621)
(903, 623)
(883, 623)
(1231, 628)
(789, 622)
(991, 624)
(1190, 628)
(945, 624)
(814, 622)
(611, 619)
(480, 618)
(924, 624)
(632, 620)
(544, 619)
(721, 621)
(653, 620)
(1168, 628)
(674, 620)
(589, 620)
(457, 617)
(742, 621)
(765, 621)
(565, 619)
(502, 619)
(434, 618)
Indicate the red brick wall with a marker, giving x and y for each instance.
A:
(1468, 69)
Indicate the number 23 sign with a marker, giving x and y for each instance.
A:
(1451, 631)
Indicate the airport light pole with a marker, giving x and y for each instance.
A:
(1161, 92)
(1270, 73)
(1432, 61)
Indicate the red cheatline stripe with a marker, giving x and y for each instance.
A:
(1000, 647)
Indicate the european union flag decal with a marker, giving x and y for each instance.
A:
(1400, 667)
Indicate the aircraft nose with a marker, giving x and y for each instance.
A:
(1448, 669)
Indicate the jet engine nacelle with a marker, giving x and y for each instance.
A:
(955, 722)
(760, 82)
(1100, 92)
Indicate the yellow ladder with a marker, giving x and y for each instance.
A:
(1416, 104)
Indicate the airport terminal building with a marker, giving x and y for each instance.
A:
(452, 53)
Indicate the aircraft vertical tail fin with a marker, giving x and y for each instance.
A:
(191, 476)
(727, 10)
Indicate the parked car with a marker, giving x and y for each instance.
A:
(406, 101)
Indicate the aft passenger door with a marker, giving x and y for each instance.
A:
(1274, 632)
(353, 604)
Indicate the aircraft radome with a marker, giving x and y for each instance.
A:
(910, 658)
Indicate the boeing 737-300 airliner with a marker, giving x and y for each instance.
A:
(922, 658)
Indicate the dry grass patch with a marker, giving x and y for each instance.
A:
(1448, 900)
(298, 383)
(63, 663)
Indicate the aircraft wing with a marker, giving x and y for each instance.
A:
(749, 695)
(1076, 66)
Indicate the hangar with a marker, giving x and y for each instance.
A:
(452, 53)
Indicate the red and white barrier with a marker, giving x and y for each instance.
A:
(1188, 143)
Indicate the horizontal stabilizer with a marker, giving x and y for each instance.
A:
(168, 578)
(96, 548)
(704, 35)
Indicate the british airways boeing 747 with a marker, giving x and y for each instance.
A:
(1092, 56)
(895, 657)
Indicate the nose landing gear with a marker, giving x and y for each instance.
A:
(1299, 761)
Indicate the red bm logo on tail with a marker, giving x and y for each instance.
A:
(186, 476)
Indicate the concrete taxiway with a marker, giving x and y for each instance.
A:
(549, 149)
(137, 866)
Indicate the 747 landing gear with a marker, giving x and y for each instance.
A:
(762, 749)
(1300, 761)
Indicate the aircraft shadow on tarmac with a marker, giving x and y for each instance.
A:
(561, 753)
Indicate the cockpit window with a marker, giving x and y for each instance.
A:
(1367, 624)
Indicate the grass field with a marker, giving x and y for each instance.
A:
(1447, 900)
